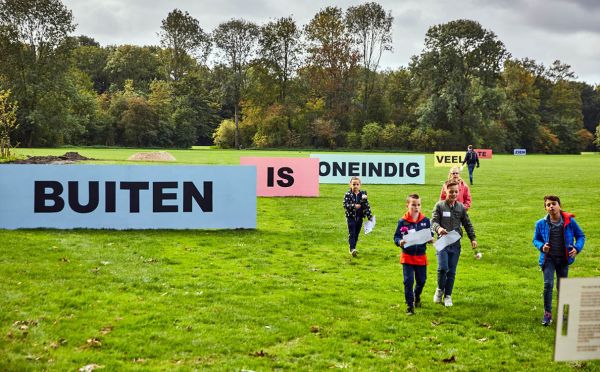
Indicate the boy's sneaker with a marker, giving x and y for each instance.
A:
(417, 302)
(448, 301)
(354, 253)
(547, 320)
(437, 297)
(410, 310)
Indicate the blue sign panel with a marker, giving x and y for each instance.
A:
(519, 152)
(373, 169)
(127, 197)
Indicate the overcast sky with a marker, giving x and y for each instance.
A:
(545, 30)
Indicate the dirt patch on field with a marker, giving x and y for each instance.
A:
(67, 158)
(152, 156)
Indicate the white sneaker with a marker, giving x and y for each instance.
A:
(447, 301)
(437, 297)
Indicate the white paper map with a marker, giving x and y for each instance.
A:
(369, 225)
(417, 237)
(446, 240)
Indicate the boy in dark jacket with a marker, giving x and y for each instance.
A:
(357, 207)
(449, 215)
(472, 160)
(559, 239)
(413, 258)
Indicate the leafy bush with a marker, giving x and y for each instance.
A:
(224, 135)
(370, 136)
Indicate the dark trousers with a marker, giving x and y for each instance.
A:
(471, 167)
(413, 273)
(354, 226)
(551, 266)
(447, 262)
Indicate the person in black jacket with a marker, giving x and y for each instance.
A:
(357, 207)
(472, 160)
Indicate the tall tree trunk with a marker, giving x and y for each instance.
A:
(237, 128)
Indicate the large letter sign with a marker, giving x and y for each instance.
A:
(448, 158)
(484, 153)
(373, 169)
(127, 197)
(285, 176)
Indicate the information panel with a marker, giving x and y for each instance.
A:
(285, 176)
(448, 158)
(127, 197)
(519, 152)
(372, 169)
(578, 320)
(483, 153)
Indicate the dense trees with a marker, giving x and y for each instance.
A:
(284, 84)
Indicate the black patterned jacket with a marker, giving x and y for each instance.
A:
(350, 199)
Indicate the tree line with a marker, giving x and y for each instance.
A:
(282, 84)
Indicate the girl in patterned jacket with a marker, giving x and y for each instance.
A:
(357, 207)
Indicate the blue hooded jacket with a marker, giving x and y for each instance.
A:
(574, 236)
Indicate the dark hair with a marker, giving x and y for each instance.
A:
(450, 183)
(553, 198)
(412, 196)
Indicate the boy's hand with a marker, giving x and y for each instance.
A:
(357, 206)
(401, 243)
(474, 244)
(573, 252)
(441, 231)
(546, 248)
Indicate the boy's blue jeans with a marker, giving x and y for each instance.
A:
(561, 267)
(471, 167)
(354, 226)
(447, 262)
(413, 273)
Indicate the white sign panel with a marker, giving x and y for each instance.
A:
(578, 320)
(372, 169)
(127, 197)
(519, 151)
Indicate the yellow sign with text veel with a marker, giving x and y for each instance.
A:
(448, 158)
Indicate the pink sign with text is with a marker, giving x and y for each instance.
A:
(285, 176)
(484, 153)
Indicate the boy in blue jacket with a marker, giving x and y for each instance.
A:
(559, 239)
(413, 258)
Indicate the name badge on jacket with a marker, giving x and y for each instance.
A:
(446, 214)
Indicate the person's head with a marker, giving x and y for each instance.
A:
(454, 174)
(355, 184)
(451, 190)
(470, 148)
(413, 204)
(552, 205)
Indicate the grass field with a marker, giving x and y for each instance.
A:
(288, 295)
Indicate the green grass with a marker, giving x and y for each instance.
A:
(287, 295)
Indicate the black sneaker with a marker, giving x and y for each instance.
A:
(410, 310)
(417, 302)
(354, 253)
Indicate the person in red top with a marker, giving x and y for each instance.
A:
(464, 194)
(413, 257)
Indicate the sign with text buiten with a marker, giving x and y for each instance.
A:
(127, 197)
(448, 158)
(285, 176)
(372, 169)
